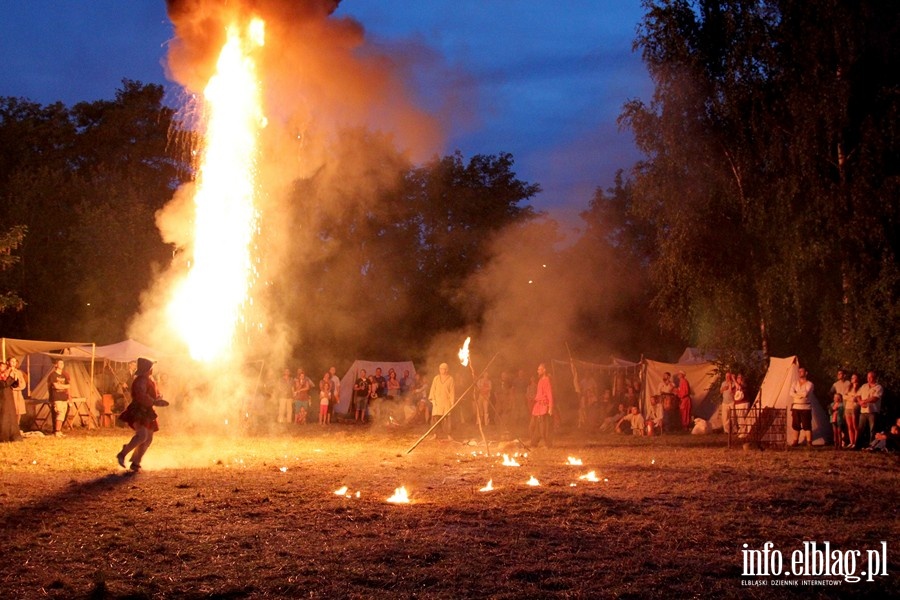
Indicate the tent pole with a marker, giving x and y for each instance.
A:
(92, 388)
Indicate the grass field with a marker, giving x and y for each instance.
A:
(257, 517)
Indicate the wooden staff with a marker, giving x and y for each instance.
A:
(444, 416)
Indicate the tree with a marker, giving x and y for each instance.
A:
(87, 182)
(9, 241)
(771, 163)
(379, 250)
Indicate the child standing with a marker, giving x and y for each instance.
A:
(324, 399)
(837, 420)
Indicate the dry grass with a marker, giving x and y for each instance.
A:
(256, 517)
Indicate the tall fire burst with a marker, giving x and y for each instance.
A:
(210, 303)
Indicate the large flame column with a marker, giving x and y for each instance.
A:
(209, 303)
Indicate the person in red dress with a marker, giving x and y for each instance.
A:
(140, 415)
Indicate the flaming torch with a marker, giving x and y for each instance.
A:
(207, 304)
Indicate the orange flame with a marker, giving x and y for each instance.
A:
(574, 461)
(533, 482)
(207, 305)
(464, 353)
(590, 476)
(489, 487)
(509, 462)
(400, 496)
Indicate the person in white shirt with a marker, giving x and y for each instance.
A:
(870, 395)
(801, 409)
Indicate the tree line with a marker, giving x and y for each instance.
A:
(763, 218)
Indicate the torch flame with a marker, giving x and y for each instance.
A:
(464, 353)
(400, 496)
(206, 306)
(489, 487)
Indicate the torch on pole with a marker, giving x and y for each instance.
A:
(466, 361)
(446, 414)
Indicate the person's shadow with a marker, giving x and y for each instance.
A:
(29, 515)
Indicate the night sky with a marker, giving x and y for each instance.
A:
(544, 81)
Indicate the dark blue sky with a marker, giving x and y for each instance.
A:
(542, 80)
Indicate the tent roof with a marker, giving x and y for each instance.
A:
(124, 351)
(696, 356)
(18, 348)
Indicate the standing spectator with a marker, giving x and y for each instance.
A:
(542, 410)
(324, 400)
(335, 391)
(360, 396)
(9, 419)
(870, 405)
(285, 392)
(801, 409)
(140, 414)
(58, 387)
(483, 397)
(727, 389)
(442, 396)
(837, 419)
(381, 381)
(302, 386)
(669, 399)
(21, 383)
(392, 385)
(407, 382)
(684, 400)
(841, 386)
(851, 410)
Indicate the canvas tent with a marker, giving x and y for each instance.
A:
(609, 376)
(700, 376)
(351, 375)
(33, 356)
(775, 392)
(121, 352)
(79, 380)
(696, 356)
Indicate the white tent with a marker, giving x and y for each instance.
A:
(696, 356)
(775, 392)
(352, 374)
(122, 352)
(35, 360)
(700, 376)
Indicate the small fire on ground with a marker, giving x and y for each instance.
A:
(400, 496)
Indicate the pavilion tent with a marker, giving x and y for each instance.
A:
(606, 376)
(695, 356)
(775, 392)
(350, 377)
(34, 356)
(122, 352)
(80, 382)
(701, 377)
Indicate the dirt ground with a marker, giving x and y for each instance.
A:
(240, 516)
